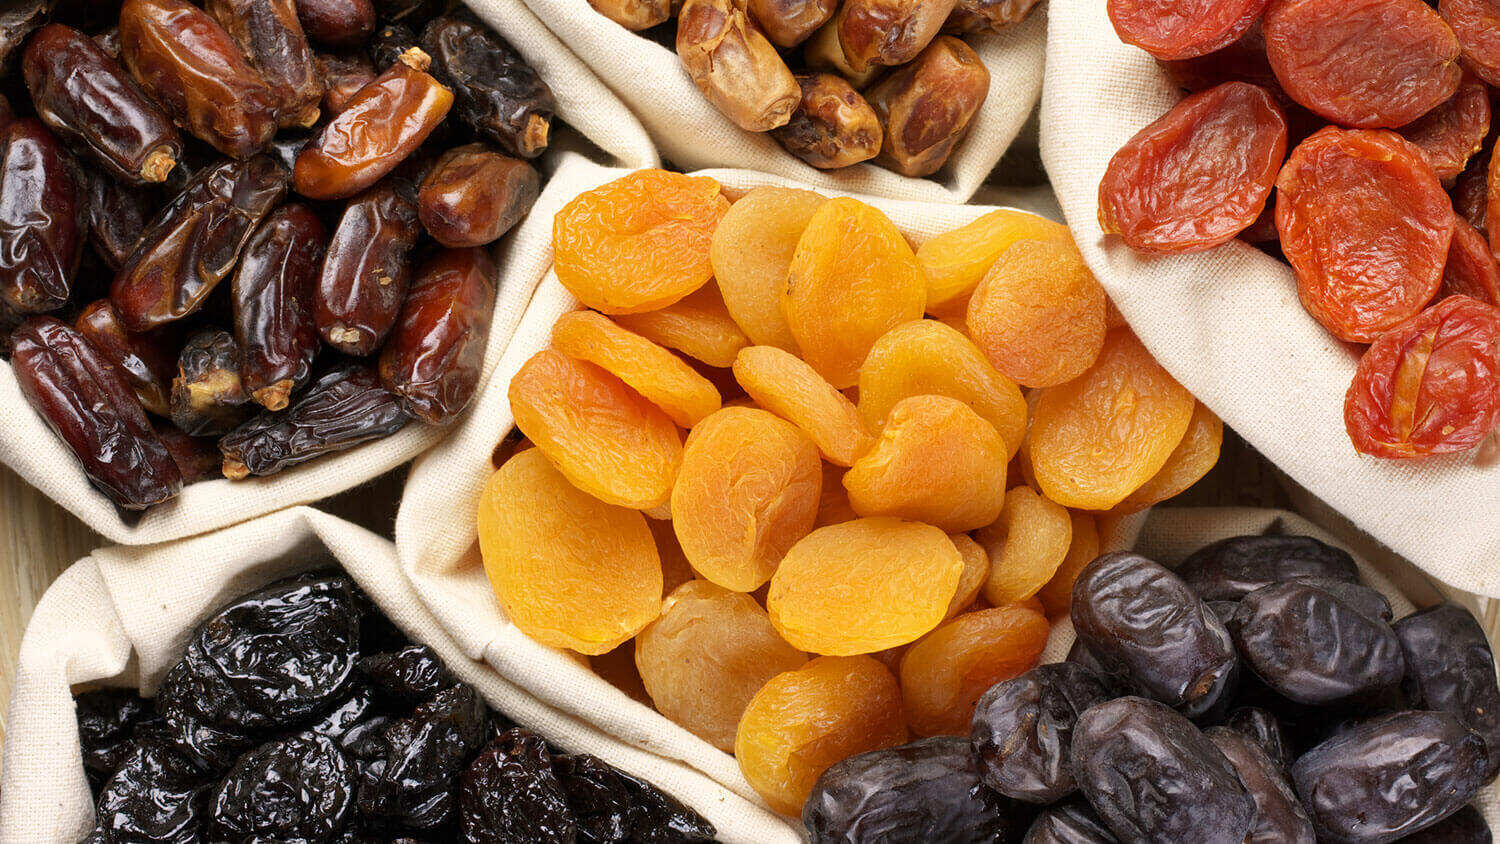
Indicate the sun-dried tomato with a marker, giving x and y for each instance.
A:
(1472, 269)
(1182, 29)
(1453, 132)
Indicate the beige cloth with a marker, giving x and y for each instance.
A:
(692, 134)
(30, 448)
(1229, 326)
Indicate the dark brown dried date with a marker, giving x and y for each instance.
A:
(117, 215)
(147, 360)
(18, 20)
(833, 126)
(41, 219)
(347, 406)
(208, 394)
(473, 195)
(1279, 817)
(343, 74)
(271, 38)
(337, 23)
(85, 96)
(1450, 668)
(273, 304)
(367, 271)
(87, 403)
(496, 91)
(197, 458)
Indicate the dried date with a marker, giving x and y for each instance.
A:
(790, 22)
(271, 38)
(17, 21)
(1232, 568)
(889, 32)
(208, 394)
(197, 458)
(1450, 668)
(833, 126)
(42, 223)
(976, 16)
(1466, 826)
(367, 270)
(473, 195)
(496, 91)
(1265, 729)
(735, 66)
(1279, 817)
(146, 360)
(1069, 822)
(117, 217)
(273, 304)
(343, 75)
(1022, 729)
(926, 107)
(337, 23)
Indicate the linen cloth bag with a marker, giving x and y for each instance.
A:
(693, 134)
(123, 615)
(30, 448)
(1228, 324)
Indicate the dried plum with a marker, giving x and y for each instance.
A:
(409, 676)
(1230, 569)
(1022, 729)
(296, 789)
(1069, 822)
(1279, 817)
(345, 715)
(413, 783)
(157, 795)
(1450, 668)
(510, 794)
(1265, 729)
(106, 725)
(609, 805)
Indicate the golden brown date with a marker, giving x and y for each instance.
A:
(927, 106)
(367, 270)
(273, 304)
(344, 74)
(271, 38)
(194, 241)
(473, 195)
(383, 124)
(85, 96)
(971, 16)
(889, 32)
(435, 354)
(337, 23)
(634, 15)
(208, 395)
(189, 64)
(790, 22)
(343, 408)
(824, 52)
(42, 223)
(197, 458)
(495, 91)
(735, 67)
(84, 399)
(117, 215)
(146, 360)
(833, 126)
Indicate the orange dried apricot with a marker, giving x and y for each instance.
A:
(751, 251)
(1057, 595)
(1026, 546)
(708, 654)
(699, 326)
(638, 243)
(570, 570)
(657, 374)
(1039, 313)
(805, 720)
(937, 462)
(834, 506)
(1099, 437)
(785, 385)
(605, 438)
(852, 278)
(956, 261)
(675, 568)
(946, 671)
(863, 586)
(747, 490)
(1188, 463)
(971, 580)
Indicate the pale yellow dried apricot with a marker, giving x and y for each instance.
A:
(784, 384)
(1188, 463)
(852, 278)
(957, 260)
(699, 326)
(976, 572)
(1026, 546)
(752, 249)
(863, 586)
(946, 671)
(747, 490)
(657, 374)
(936, 461)
(1057, 595)
(569, 570)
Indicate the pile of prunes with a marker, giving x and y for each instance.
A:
(1259, 693)
(300, 714)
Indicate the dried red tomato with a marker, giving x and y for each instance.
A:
(1472, 269)
(1199, 175)
(1476, 23)
(1429, 386)
(1363, 63)
(1182, 29)
(1366, 225)
(1453, 132)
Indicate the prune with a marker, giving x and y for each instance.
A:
(1473, 22)
(1472, 269)
(86, 401)
(117, 216)
(832, 126)
(344, 716)
(413, 781)
(888, 32)
(474, 195)
(343, 74)
(1070, 822)
(1390, 776)
(409, 676)
(295, 789)
(19, 20)
(1455, 131)
(944, 673)
(735, 66)
(661, 377)
(1175, 29)
(271, 38)
(343, 408)
(1199, 175)
(1265, 729)
(1466, 826)
(1027, 545)
(495, 90)
(1152, 776)
(106, 725)
(145, 360)
(509, 794)
(42, 219)
(925, 108)
(272, 294)
(1232, 568)
(337, 23)
(197, 458)
(1312, 647)
(1430, 385)
(932, 785)
(194, 242)
(366, 272)
(1022, 729)
(785, 385)
(1279, 818)
(208, 394)
(1138, 616)
(156, 796)
(1449, 668)
(612, 806)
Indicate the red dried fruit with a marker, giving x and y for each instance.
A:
(1472, 269)
(1242, 61)
(1366, 226)
(1476, 23)
(1429, 386)
(1453, 132)
(1182, 29)
(1471, 193)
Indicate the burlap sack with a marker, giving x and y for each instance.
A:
(692, 134)
(122, 616)
(1229, 325)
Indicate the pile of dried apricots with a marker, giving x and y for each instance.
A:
(1385, 207)
(867, 523)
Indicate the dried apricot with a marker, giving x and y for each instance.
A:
(1099, 437)
(1199, 175)
(936, 461)
(1057, 595)
(1242, 61)
(617, 668)
(569, 570)
(785, 385)
(708, 654)
(1429, 386)
(802, 721)
(863, 586)
(1453, 132)
(752, 249)
(956, 261)
(852, 278)
(698, 325)
(1362, 63)
(971, 580)
(657, 374)
(1366, 226)
(1476, 24)
(1026, 546)
(605, 438)
(675, 568)
(1471, 269)
(1181, 29)
(834, 506)
(1471, 192)
(747, 490)
(638, 243)
(1190, 461)
(946, 671)
(926, 357)
(1038, 315)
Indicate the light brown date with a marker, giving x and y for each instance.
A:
(790, 22)
(634, 15)
(271, 38)
(889, 32)
(833, 125)
(735, 67)
(473, 195)
(927, 106)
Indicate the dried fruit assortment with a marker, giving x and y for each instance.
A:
(1385, 216)
(765, 490)
(299, 713)
(270, 189)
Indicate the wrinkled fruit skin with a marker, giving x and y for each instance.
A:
(1069, 822)
(273, 296)
(1023, 728)
(208, 393)
(473, 195)
(612, 806)
(1232, 568)
(495, 90)
(419, 759)
(511, 794)
(1450, 668)
(156, 795)
(42, 219)
(366, 272)
(146, 360)
(1279, 817)
(300, 788)
(1171, 31)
